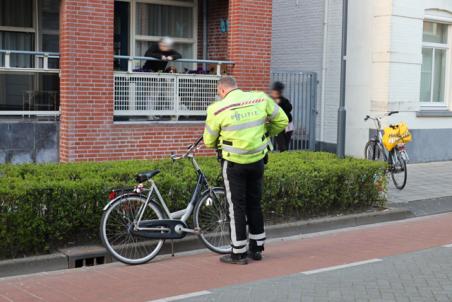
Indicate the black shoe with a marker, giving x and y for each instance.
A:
(257, 256)
(234, 259)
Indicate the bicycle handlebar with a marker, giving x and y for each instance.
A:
(392, 112)
(190, 149)
(379, 117)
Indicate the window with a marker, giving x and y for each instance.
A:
(435, 51)
(176, 19)
(31, 25)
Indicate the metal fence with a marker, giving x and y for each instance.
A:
(163, 94)
(301, 90)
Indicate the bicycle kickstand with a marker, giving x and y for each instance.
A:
(172, 248)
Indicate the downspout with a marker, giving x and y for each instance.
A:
(324, 71)
(205, 55)
(342, 112)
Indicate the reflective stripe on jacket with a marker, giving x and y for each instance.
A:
(241, 123)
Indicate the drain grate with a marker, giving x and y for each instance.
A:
(89, 261)
(86, 256)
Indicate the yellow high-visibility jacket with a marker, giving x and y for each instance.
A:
(241, 124)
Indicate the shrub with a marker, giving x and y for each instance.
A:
(46, 206)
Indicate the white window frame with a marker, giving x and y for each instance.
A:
(134, 38)
(448, 71)
(36, 31)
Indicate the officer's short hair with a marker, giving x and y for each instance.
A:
(228, 82)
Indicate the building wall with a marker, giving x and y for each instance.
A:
(301, 33)
(394, 59)
(86, 46)
(217, 10)
(249, 43)
(383, 66)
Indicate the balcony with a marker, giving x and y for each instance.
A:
(165, 96)
(138, 96)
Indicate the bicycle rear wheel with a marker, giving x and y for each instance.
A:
(398, 170)
(116, 230)
(211, 217)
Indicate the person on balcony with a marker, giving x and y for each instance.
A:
(164, 52)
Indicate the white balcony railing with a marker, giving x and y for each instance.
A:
(38, 61)
(164, 94)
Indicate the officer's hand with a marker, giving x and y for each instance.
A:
(169, 58)
(164, 58)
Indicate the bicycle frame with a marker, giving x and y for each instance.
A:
(389, 156)
(181, 215)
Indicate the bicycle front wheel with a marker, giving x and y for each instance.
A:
(211, 217)
(373, 151)
(116, 230)
(398, 169)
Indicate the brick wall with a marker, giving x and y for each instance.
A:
(217, 40)
(249, 43)
(86, 47)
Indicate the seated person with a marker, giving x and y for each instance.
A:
(163, 50)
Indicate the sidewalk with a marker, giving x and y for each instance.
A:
(425, 181)
(168, 277)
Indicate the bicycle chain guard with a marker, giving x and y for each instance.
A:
(170, 224)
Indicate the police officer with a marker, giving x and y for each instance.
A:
(240, 124)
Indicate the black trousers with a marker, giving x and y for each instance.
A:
(283, 140)
(244, 184)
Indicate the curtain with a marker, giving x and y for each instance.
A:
(16, 13)
(164, 20)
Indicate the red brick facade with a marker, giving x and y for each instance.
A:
(87, 130)
(249, 43)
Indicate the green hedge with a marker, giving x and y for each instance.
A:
(46, 206)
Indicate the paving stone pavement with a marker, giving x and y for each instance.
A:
(425, 181)
(420, 276)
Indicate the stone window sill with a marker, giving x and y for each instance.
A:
(434, 113)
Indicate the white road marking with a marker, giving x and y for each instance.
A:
(185, 296)
(332, 268)
(448, 245)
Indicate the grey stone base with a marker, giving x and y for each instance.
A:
(28, 141)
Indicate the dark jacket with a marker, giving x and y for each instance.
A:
(286, 106)
(155, 52)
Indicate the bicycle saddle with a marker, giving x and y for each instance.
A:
(142, 177)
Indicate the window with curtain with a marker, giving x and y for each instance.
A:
(154, 21)
(435, 50)
(23, 27)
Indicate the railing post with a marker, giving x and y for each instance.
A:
(132, 96)
(219, 69)
(176, 95)
(130, 65)
(46, 61)
(7, 59)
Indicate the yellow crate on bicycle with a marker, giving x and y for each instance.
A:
(396, 134)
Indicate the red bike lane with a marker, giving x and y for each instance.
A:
(167, 277)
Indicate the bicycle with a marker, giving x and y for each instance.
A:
(135, 225)
(397, 158)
